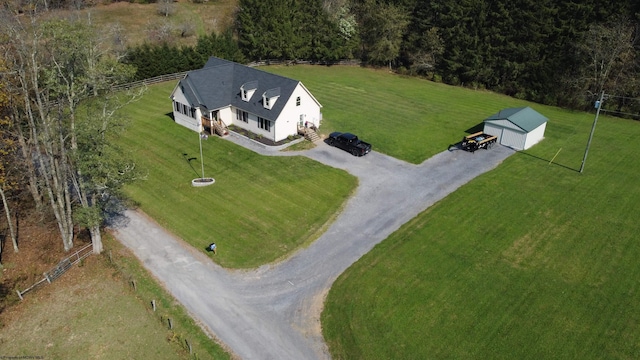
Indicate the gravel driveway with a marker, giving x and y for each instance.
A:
(273, 312)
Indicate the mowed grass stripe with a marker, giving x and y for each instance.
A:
(408, 118)
(529, 261)
(259, 209)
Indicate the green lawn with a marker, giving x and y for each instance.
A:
(530, 261)
(408, 118)
(259, 210)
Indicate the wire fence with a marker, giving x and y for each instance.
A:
(62, 267)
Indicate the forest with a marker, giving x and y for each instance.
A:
(563, 53)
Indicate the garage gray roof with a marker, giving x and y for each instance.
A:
(524, 117)
(218, 84)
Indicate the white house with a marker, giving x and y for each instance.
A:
(269, 105)
(519, 128)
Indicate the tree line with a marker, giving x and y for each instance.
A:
(549, 51)
(58, 119)
(554, 52)
(151, 60)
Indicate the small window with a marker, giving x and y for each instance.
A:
(264, 124)
(266, 102)
(242, 115)
(244, 95)
(298, 101)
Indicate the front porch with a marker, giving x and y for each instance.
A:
(214, 126)
(309, 132)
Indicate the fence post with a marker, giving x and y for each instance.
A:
(188, 345)
(170, 323)
(153, 304)
(19, 295)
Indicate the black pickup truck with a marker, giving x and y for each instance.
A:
(349, 142)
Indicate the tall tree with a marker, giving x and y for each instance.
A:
(610, 51)
(284, 30)
(382, 27)
(423, 46)
(61, 65)
(8, 160)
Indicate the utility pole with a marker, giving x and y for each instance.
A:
(593, 129)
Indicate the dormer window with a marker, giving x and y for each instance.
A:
(247, 89)
(270, 97)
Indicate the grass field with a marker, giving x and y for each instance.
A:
(260, 208)
(532, 260)
(87, 315)
(408, 118)
(136, 19)
(64, 327)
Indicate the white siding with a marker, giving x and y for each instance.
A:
(227, 115)
(282, 127)
(512, 138)
(510, 135)
(187, 121)
(252, 124)
(291, 115)
(535, 136)
(492, 129)
(179, 96)
(287, 123)
(507, 135)
(182, 119)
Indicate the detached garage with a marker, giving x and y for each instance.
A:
(518, 128)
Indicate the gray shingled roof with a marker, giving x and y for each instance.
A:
(525, 117)
(218, 83)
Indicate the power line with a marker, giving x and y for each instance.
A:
(622, 97)
(620, 112)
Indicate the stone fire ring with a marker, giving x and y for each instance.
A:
(200, 182)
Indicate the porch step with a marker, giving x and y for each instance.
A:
(311, 135)
(220, 128)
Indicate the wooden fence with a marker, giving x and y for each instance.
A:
(150, 81)
(60, 269)
(180, 75)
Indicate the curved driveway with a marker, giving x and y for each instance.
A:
(273, 312)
